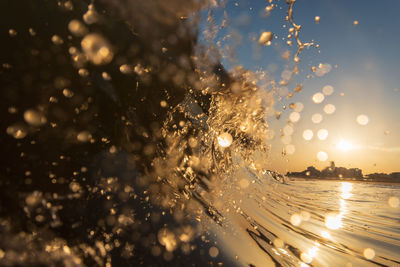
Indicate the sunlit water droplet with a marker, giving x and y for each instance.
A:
(308, 134)
(318, 98)
(18, 131)
(84, 136)
(12, 32)
(295, 219)
(77, 28)
(298, 106)
(323, 69)
(83, 72)
(106, 76)
(34, 118)
(329, 108)
(97, 49)
(362, 119)
(57, 40)
(290, 149)
(213, 251)
(316, 118)
(322, 134)
(369, 253)
(126, 69)
(294, 117)
(327, 90)
(266, 38)
(68, 93)
(91, 16)
(167, 239)
(322, 156)
(224, 139)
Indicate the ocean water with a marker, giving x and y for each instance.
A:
(322, 223)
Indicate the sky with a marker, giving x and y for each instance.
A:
(364, 72)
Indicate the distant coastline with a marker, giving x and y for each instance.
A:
(344, 174)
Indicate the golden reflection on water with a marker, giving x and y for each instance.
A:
(333, 220)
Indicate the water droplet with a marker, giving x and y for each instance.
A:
(362, 119)
(167, 239)
(163, 104)
(84, 136)
(308, 134)
(317, 19)
(18, 130)
(126, 69)
(77, 28)
(355, 23)
(106, 76)
(97, 49)
(298, 107)
(224, 139)
(329, 109)
(91, 16)
(12, 32)
(266, 38)
(295, 219)
(322, 134)
(369, 253)
(57, 40)
(298, 88)
(323, 69)
(294, 117)
(213, 251)
(34, 118)
(290, 149)
(327, 89)
(68, 93)
(318, 98)
(269, 8)
(322, 156)
(32, 32)
(83, 72)
(316, 118)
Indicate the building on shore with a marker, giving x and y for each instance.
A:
(329, 172)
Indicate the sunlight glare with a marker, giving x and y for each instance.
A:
(333, 221)
(344, 145)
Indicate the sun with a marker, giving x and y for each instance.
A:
(344, 145)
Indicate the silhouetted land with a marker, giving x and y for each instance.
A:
(352, 174)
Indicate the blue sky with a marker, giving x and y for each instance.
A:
(365, 79)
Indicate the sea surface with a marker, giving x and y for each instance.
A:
(315, 222)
